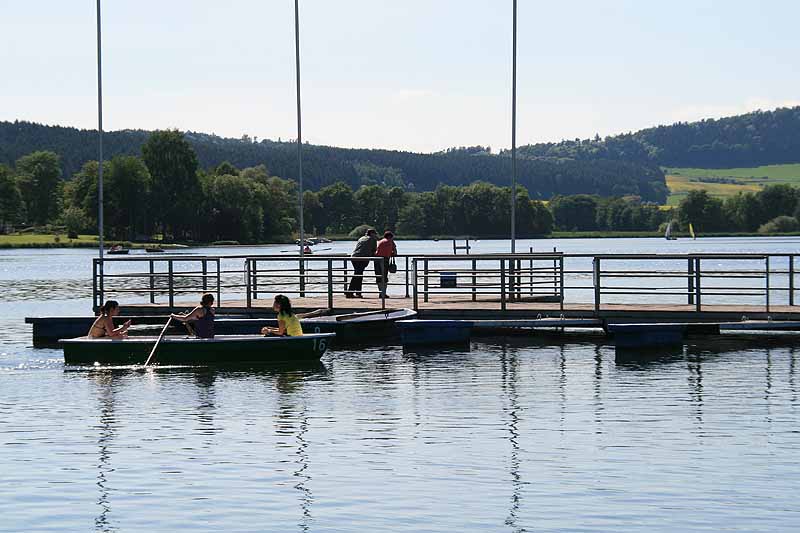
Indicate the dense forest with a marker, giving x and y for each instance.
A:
(750, 140)
(323, 165)
(165, 192)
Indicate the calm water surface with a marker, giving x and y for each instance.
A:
(515, 434)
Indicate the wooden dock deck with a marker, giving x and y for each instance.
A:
(454, 307)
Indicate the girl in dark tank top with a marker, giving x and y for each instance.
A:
(201, 317)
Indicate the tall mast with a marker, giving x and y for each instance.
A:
(299, 127)
(99, 134)
(514, 131)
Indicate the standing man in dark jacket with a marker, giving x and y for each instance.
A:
(365, 247)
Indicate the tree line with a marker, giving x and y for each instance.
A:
(164, 191)
(325, 165)
(749, 140)
(773, 209)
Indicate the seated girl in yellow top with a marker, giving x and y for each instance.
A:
(288, 323)
(104, 324)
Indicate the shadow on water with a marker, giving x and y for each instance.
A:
(696, 348)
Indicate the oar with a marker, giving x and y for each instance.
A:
(351, 316)
(155, 346)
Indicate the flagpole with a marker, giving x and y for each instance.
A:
(299, 127)
(99, 136)
(514, 130)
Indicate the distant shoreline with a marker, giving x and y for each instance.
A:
(13, 242)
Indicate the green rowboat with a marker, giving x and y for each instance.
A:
(221, 350)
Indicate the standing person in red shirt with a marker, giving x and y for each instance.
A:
(386, 249)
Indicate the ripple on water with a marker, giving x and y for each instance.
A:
(507, 435)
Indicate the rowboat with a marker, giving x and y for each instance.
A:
(375, 325)
(118, 250)
(221, 350)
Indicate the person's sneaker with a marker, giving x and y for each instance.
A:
(358, 295)
(349, 295)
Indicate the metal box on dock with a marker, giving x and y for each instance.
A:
(448, 280)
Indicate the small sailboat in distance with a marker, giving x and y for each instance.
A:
(691, 231)
(668, 234)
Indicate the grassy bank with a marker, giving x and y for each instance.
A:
(46, 240)
(725, 182)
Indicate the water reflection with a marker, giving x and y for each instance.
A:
(508, 365)
(694, 376)
(598, 397)
(292, 421)
(792, 367)
(106, 385)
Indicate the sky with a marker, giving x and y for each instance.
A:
(418, 75)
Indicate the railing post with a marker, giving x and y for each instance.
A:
(171, 284)
(511, 280)
(415, 286)
(561, 281)
(406, 276)
(386, 286)
(474, 280)
(248, 284)
(596, 279)
(205, 273)
(425, 281)
(503, 284)
(766, 264)
(690, 281)
(530, 271)
(255, 279)
(219, 284)
(301, 267)
(152, 282)
(697, 289)
(344, 275)
(791, 280)
(330, 283)
(94, 284)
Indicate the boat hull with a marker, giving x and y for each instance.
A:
(221, 350)
(47, 331)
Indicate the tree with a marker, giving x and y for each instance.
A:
(777, 200)
(128, 196)
(75, 221)
(781, 224)
(575, 213)
(744, 211)
(702, 211)
(372, 206)
(81, 191)
(227, 168)
(235, 207)
(340, 212)
(12, 207)
(39, 181)
(172, 164)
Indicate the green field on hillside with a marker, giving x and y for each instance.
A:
(724, 182)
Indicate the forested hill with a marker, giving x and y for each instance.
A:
(323, 165)
(750, 140)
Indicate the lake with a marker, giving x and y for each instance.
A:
(515, 434)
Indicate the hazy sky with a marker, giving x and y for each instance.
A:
(416, 75)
